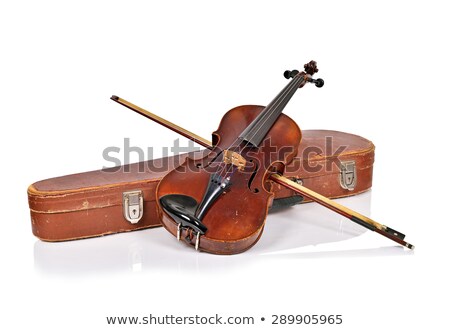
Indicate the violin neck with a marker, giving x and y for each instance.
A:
(255, 133)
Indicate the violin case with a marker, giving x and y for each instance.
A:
(122, 199)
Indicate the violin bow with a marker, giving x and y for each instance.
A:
(180, 130)
(282, 180)
(342, 210)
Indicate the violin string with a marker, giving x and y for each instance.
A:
(293, 85)
(275, 107)
(264, 119)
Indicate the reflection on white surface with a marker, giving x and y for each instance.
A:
(302, 231)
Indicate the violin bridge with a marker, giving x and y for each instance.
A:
(232, 157)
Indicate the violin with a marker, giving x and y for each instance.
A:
(218, 202)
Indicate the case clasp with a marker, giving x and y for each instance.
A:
(348, 175)
(133, 206)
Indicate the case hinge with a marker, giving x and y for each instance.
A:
(133, 205)
(348, 175)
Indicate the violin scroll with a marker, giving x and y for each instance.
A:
(310, 69)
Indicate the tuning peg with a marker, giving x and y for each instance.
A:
(290, 74)
(318, 82)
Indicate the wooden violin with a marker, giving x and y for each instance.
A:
(218, 202)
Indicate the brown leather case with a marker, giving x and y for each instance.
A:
(334, 164)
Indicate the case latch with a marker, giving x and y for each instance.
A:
(133, 205)
(348, 175)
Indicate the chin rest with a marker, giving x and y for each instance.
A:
(182, 209)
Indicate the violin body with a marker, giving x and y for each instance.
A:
(218, 203)
(236, 220)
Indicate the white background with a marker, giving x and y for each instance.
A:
(386, 74)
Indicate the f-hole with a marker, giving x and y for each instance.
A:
(252, 177)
